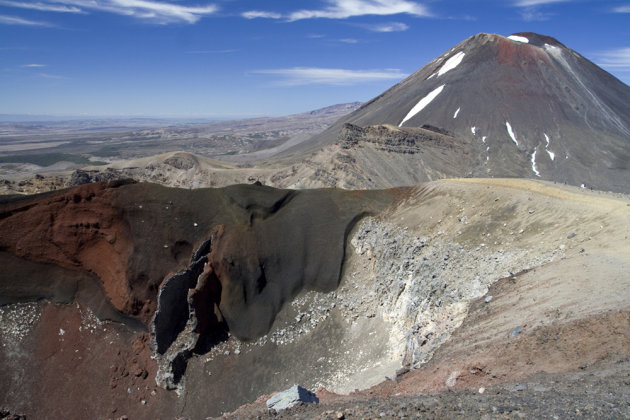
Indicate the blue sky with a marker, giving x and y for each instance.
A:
(237, 58)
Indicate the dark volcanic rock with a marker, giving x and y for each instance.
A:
(394, 140)
(80, 176)
(285, 242)
(173, 312)
(276, 244)
(6, 415)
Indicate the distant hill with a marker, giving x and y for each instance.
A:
(40, 156)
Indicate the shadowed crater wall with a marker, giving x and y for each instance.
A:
(274, 244)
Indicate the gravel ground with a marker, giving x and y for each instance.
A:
(598, 392)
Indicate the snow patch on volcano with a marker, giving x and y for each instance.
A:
(422, 103)
(518, 38)
(551, 154)
(534, 168)
(551, 48)
(456, 113)
(473, 130)
(511, 132)
(483, 140)
(452, 62)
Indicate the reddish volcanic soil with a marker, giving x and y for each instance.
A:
(72, 366)
(79, 229)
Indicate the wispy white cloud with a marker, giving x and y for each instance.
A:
(343, 9)
(33, 65)
(618, 59)
(150, 10)
(255, 14)
(14, 20)
(387, 27)
(349, 41)
(531, 14)
(530, 9)
(622, 9)
(529, 3)
(44, 7)
(300, 76)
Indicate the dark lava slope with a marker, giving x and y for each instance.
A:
(531, 107)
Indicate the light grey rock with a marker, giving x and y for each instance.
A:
(516, 331)
(518, 387)
(291, 397)
(420, 280)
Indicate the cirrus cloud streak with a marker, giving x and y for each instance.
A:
(300, 76)
(41, 6)
(618, 59)
(387, 27)
(150, 10)
(343, 9)
(15, 20)
(529, 3)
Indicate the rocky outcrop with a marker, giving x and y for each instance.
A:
(422, 286)
(80, 176)
(187, 316)
(6, 415)
(291, 397)
(394, 140)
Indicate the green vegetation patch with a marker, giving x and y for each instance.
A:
(47, 159)
(107, 151)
